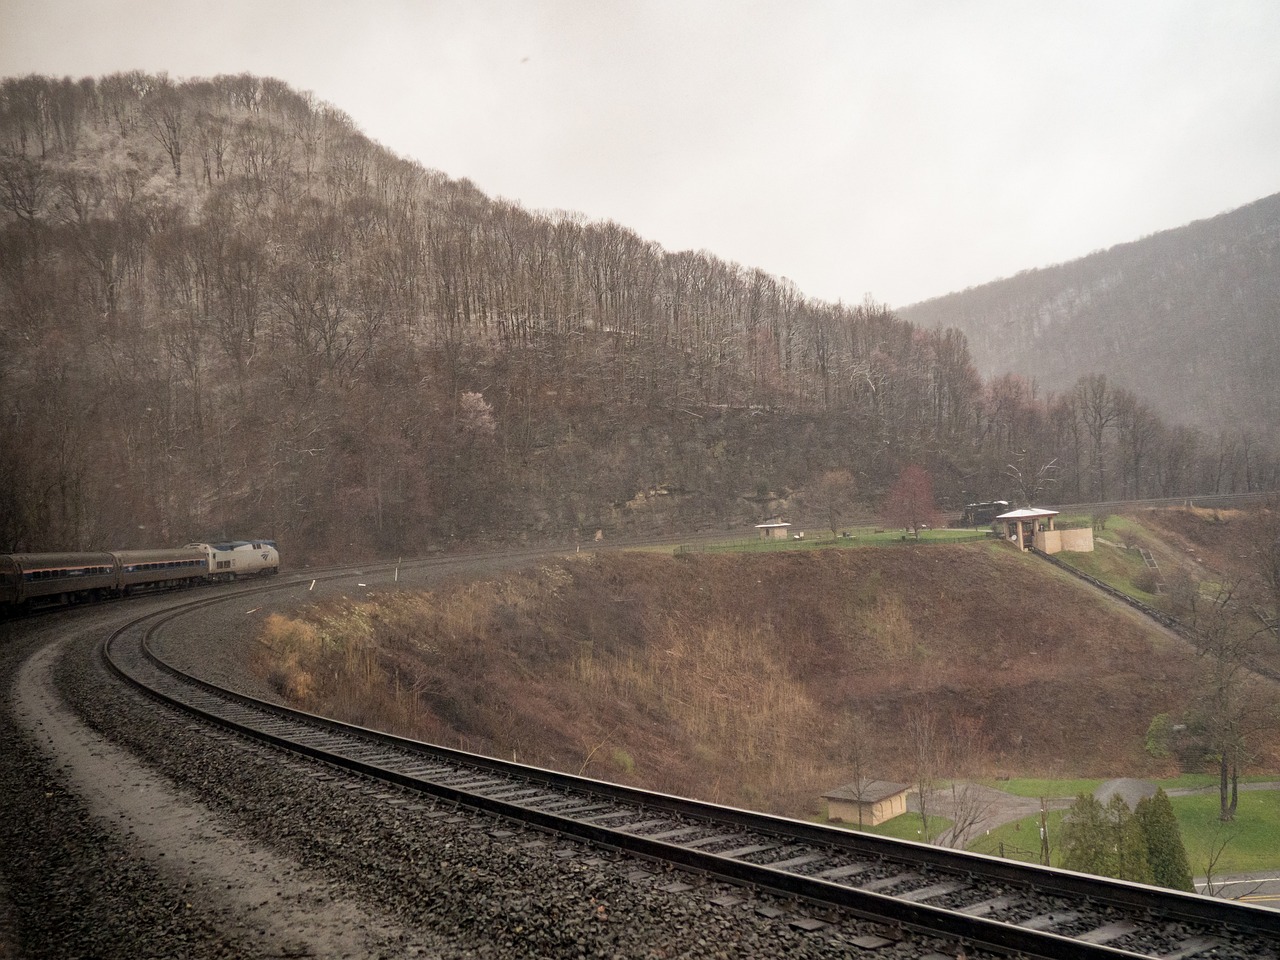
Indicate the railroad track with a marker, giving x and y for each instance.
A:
(976, 901)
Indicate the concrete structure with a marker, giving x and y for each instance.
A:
(773, 530)
(1072, 541)
(876, 801)
(1033, 527)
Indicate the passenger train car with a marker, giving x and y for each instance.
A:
(34, 580)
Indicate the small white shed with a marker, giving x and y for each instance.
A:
(773, 530)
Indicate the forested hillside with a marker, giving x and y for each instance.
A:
(226, 312)
(1187, 318)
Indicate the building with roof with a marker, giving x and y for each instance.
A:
(1032, 528)
(775, 529)
(867, 802)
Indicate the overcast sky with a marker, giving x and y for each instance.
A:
(899, 149)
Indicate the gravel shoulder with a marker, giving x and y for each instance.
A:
(189, 842)
(268, 901)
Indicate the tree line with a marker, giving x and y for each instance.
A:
(225, 310)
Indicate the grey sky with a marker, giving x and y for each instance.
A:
(902, 149)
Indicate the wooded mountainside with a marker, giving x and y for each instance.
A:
(1188, 318)
(226, 312)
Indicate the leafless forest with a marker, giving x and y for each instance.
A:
(224, 311)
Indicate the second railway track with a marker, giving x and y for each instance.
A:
(981, 902)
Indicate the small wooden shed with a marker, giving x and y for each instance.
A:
(868, 802)
(773, 530)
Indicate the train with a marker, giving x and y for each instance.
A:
(981, 514)
(30, 581)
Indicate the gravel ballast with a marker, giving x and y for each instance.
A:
(429, 881)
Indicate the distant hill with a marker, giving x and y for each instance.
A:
(226, 313)
(1189, 319)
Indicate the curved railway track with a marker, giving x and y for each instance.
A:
(981, 902)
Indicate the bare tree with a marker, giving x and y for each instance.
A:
(1222, 836)
(1265, 535)
(852, 751)
(928, 760)
(967, 805)
(1031, 482)
(1096, 402)
(1228, 709)
(910, 503)
(832, 495)
(165, 110)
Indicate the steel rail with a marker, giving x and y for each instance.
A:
(349, 747)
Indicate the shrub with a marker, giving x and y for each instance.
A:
(622, 761)
(1146, 581)
(1159, 736)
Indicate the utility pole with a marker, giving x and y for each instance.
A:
(1044, 833)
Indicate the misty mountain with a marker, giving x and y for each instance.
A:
(1189, 319)
(225, 312)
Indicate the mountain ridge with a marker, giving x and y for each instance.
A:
(1189, 318)
(225, 312)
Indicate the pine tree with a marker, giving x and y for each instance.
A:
(1165, 851)
(1084, 836)
(1131, 860)
(1106, 841)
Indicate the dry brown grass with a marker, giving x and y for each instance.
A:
(737, 678)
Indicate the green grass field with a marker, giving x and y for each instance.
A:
(1025, 787)
(1119, 568)
(858, 537)
(1028, 787)
(1251, 842)
(1020, 840)
(903, 827)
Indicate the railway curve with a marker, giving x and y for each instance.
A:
(478, 856)
(967, 900)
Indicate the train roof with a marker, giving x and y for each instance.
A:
(27, 561)
(147, 556)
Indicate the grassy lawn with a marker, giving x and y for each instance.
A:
(1020, 840)
(1116, 567)
(1252, 840)
(1029, 787)
(1025, 787)
(858, 537)
(903, 827)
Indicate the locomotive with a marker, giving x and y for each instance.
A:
(35, 580)
(981, 514)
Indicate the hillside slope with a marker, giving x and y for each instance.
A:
(1187, 318)
(755, 680)
(226, 313)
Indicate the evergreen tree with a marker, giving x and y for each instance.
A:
(1165, 851)
(1084, 837)
(1106, 841)
(1129, 843)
